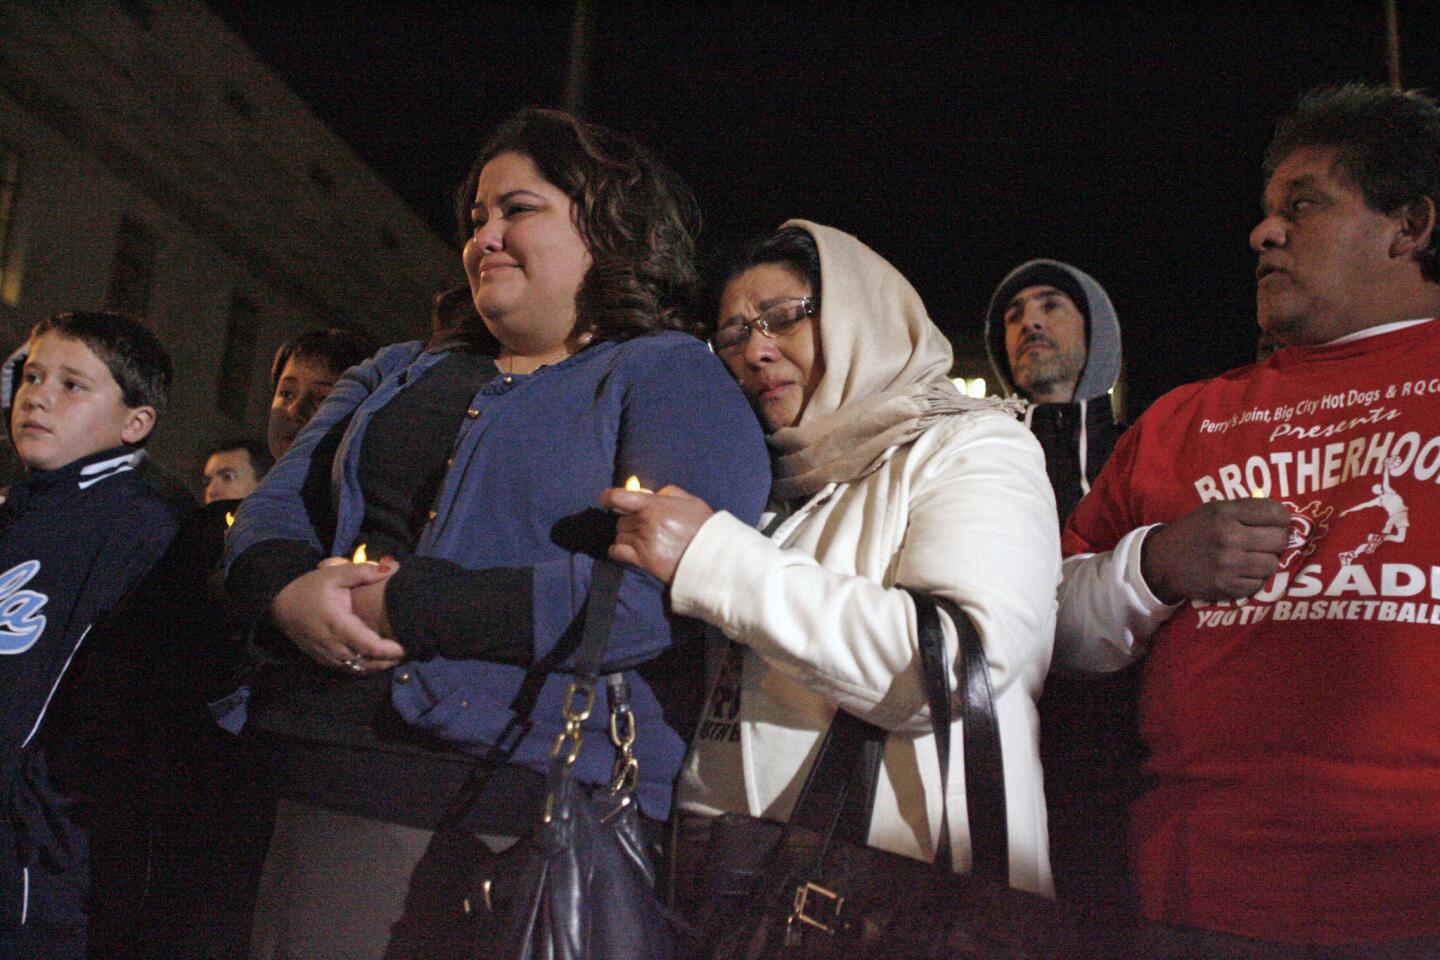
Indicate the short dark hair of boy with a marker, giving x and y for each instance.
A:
(133, 354)
(338, 348)
(257, 450)
(1387, 145)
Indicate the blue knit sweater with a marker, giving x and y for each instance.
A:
(529, 462)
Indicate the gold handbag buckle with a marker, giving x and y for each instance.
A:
(817, 907)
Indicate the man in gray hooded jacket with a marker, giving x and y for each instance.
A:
(1053, 339)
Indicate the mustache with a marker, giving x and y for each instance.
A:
(1033, 338)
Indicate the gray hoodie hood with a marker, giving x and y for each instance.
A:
(1102, 358)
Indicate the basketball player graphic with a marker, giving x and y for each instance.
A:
(1397, 516)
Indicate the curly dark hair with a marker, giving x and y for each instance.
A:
(1387, 145)
(638, 219)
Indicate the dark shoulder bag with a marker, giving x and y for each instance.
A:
(812, 888)
(582, 885)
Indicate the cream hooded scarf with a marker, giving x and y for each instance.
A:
(886, 367)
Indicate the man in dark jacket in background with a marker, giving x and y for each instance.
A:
(1053, 339)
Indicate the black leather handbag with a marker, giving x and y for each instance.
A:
(582, 885)
(812, 888)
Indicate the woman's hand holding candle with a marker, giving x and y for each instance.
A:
(654, 528)
(360, 555)
(368, 601)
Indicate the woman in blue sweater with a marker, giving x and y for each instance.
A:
(472, 467)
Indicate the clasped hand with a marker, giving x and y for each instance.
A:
(335, 614)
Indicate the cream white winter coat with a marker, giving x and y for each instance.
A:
(964, 511)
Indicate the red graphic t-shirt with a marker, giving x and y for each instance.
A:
(1295, 736)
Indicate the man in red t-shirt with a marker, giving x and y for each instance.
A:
(1252, 534)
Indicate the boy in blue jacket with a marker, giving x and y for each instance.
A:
(77, 532)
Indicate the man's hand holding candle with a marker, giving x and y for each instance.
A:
(1222, 550)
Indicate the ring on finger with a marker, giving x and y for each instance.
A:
(353, 664)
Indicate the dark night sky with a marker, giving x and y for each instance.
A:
(1122, 139)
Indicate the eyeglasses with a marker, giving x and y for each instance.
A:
(775, 321)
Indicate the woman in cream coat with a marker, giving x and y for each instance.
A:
(884, 475)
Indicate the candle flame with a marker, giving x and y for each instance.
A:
(229, 520)
(360, 556)
(633, 483)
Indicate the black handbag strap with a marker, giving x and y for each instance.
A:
(600, 605)
(838, 794)
(605, 580)
(984, 764)
(937, 691)
(837, 798)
